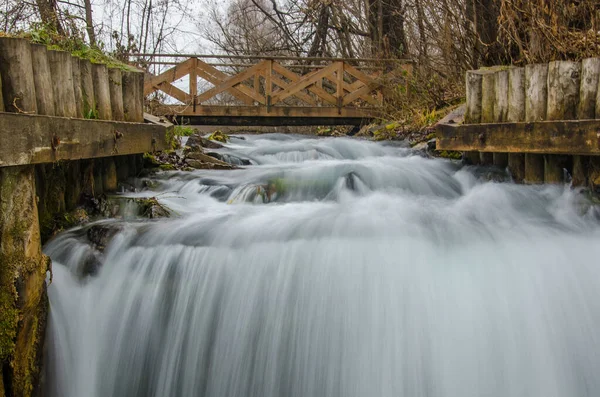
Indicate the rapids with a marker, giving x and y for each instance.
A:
(334, 267)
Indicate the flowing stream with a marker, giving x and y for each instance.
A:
(333, 267)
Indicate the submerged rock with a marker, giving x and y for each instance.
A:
(101, 234)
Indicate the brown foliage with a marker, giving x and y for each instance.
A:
(534, 31)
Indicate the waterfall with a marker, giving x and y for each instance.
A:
(333, 267)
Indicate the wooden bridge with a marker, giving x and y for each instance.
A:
(273, 91)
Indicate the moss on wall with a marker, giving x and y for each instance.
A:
(23, 298)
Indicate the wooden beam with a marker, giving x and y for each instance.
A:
(276, 111)
(193, 79)
(175, 92)
(34, 139)
(215, 77)
(315, 89)
(169, 76)
(231, 82)
(545, 137)
(304, 82)
(360, 93)
(302, 95)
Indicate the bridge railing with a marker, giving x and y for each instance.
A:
(236, 80)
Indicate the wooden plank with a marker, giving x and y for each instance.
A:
(276, 111)
(231, 82)
(302, 95)
(268, 73)
(339, 74)
(169, 76)
(357, 94)
(175, 92)
(215, 76)
(544, 137)
(304, 82)
(317, 90)
(365, 78)
(193, 78)
(590, 77)
(34, 139)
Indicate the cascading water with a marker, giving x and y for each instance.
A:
(334, 267)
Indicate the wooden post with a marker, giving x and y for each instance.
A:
(536, 97)
(564, 84)
(589, 108)
(87, 89)
(194, 82)
(16, 70)
(268, 83)
(473, 112)
(590, 78)
(488, 99)
(501, 110)
(516, 113)
(473, 89)
(62, 83)
(564, 81)
(109, 174)
(340, 86)
(101, 91)
(580, 167)
(536, 102)
(43, 80)
(24, 304)
(133, 96)
(116, 93)
(75, 66)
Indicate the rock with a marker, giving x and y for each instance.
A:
(219, 136)
(151, 208)
(457, 116)
(100, 235)
(199, 160)
(201, 165)
(420, 147)
(197, 142)
(216, 155)
(431, 144)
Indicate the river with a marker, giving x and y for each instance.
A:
(334, 267)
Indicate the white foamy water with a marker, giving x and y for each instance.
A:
(334, 267)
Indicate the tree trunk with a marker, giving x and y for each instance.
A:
(89, 23)
(49, 15)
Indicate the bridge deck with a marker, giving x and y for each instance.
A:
(261, 115)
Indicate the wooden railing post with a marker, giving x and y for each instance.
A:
(194, 82)
(268, 83)
(340, 86)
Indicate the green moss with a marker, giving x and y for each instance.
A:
(448, 154)
(219, 136)
(172, 139)
(150, 161)
(167, 167)
(184, 130)
(9, 315)
(41, 34)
